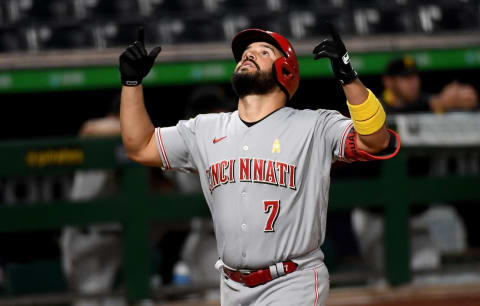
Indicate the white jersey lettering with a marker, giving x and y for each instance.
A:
(286, 157)
(264, 171)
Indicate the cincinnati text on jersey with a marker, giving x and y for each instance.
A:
(255, 170)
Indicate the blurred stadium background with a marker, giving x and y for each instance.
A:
(415, 242)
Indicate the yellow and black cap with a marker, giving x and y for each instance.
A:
(402, 66)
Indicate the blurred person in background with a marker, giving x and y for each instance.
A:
(199, 251)
(188, 251)
(92, 255)
(403, 93)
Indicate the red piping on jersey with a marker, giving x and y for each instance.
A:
(342, 141)
(353, 153)
(316, 287)
(162, 149)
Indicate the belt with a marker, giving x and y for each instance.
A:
(262, 276)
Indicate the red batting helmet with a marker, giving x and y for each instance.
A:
(285, 68)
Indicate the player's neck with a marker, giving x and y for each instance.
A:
(252, 108)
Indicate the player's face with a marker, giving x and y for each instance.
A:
(407, 88)
(253, 74)
(259, 56)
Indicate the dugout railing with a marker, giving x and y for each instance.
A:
(136, 206)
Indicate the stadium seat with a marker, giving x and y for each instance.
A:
(109, 8)
(164, 31)
(187, 30)
(120, 34)
(303, 4)
(448, 17)
(65, 36)
(308, 24)
(277, 23)
(318, 4)
(42, 10)
(374, 20)
(192, 21)
(166, 7)
(202, 29)
(232, 24)
(242, 6)
(379, 3)
(13, 39)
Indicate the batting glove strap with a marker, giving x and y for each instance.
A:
(125, 81)
(344, 76)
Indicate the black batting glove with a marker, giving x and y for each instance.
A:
(135, 62)
(334, 49)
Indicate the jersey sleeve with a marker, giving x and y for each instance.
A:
(334, 127)
(341, 138)
(353, 153)
(175, 144)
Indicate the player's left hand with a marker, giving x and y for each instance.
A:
(334, 49)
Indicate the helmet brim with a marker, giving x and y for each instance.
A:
(243, 39)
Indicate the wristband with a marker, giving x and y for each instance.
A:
(368, 117)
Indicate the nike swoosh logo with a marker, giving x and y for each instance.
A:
(215, 140)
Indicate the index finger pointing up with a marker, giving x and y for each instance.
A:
(141, 35)
(333, 31)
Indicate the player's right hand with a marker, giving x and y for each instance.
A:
(135, 62)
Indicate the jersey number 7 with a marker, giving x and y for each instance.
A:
(272, 207)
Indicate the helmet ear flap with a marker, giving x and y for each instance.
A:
(282, 73)
(286, 70)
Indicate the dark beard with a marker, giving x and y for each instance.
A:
(257, 83)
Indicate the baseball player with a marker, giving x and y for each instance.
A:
(264, 168)
(92, 256)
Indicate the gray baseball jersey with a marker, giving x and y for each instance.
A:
(266, 185)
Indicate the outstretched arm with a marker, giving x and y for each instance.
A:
(366, 111)
(136, 127)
